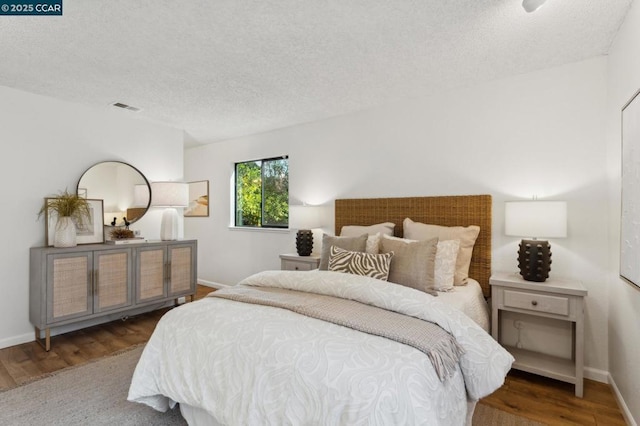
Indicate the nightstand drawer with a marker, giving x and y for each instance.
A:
(293, 262)
(292, 265)
(558, 305)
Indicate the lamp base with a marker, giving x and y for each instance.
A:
(304, 242)
(534, 260)
(169, 225)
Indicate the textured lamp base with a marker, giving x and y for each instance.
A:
(534, 260)
(304, 242)
(169, 225)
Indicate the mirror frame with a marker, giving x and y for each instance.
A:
(146, 182)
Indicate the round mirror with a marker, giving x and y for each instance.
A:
(125, 191)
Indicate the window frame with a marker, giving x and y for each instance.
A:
(235, 194)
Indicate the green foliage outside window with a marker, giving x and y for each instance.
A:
(262, 193)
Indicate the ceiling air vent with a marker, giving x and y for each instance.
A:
(125, 106)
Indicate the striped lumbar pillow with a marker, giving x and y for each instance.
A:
(358, 263)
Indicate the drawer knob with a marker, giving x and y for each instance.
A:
(297, 267)
(534, 302)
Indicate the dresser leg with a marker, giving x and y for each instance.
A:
(46, 345)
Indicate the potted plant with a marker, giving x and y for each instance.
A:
(71, 210)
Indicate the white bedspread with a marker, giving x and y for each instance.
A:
(469, 299)
(247, 364)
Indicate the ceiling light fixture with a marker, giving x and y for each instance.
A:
(532, 5)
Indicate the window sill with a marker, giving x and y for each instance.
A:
(264, 230)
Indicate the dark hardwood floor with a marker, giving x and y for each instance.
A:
(537, 398)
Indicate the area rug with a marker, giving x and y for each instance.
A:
(96, 394)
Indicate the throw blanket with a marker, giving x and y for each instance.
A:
(441, 348)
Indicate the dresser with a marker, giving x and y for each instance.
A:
(556, 299)
(83, 283)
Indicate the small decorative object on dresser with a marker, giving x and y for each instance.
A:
(556, 299)
(293, 262)
(535, 219)
(121, 233)
(71, 219)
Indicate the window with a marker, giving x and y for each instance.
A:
(262, 193)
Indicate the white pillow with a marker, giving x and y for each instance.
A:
(357, 230)
(445, 268)
(373, 244)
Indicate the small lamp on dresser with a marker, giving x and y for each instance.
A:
(169, 195)
(304, 218)
(535, 219)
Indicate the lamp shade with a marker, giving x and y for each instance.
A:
(304, 217)
(169, 194)
(546, 219)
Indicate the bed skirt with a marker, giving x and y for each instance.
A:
(198, 417)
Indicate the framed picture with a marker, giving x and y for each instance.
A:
(630, 197)
(91, 232)
(198, 199)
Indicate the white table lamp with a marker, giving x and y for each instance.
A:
(534, 219)
(169, 195)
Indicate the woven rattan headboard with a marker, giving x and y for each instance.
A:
(458, 210)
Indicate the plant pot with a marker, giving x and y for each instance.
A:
(65, 235)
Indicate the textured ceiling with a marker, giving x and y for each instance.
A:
(223, 69)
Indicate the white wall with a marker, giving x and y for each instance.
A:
(47, 145)
(535, 134)
(624, 299)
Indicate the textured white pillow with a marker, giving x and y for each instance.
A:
(373, 244)
(357, 230)
(445, 268)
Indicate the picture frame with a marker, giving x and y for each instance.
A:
(630, 192)
(91, 233)
(198, 199)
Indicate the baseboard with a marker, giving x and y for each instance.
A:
(212, 284)
(17, 340)
(623, 405)
(596, 375)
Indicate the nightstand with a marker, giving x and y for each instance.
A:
(293, 262)
(555, 298)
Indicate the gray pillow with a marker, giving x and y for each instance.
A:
(413, 263)
(346, 243)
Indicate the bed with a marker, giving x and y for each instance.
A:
(226, 361)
